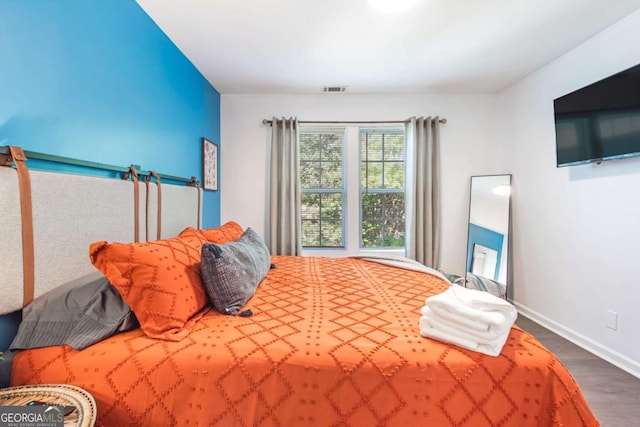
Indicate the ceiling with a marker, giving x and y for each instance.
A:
(439, 46)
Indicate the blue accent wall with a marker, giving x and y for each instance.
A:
(99, 81)
(485, 237)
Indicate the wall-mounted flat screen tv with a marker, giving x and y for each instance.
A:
(599, 122)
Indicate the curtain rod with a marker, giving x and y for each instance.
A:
(95, 165)
(269, 122)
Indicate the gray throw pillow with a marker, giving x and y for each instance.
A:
(78, 313)
(231, 272)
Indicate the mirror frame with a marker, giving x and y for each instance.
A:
(506, 252)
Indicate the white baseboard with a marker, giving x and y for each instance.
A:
(611, 356)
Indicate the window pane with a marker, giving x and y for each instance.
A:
(310, 146)
(310, 232)
(382, 156)
(371, 175)
(310, 208)
(382, 183)
(321, 160)
(330, 175)
(394, 175)
(315, 175)
(331, 233)
(371, 207)
(331, 206)
(371, 234)
(370, 146)
(322, 219)
(394, 147)
(325, 145)
(383, 217)
(333, 148)
(321, 179)
(309, 174)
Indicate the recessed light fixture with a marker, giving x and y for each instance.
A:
(393, 5)
(502, 190)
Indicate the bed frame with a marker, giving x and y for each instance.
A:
(70, 211)
(331, 341)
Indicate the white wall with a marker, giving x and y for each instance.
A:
(576, 229)
(469, 147)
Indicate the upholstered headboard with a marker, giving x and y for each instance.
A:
(70, 212)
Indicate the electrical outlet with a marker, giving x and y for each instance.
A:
(612, 320)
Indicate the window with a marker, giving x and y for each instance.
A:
(352, 183)
(382, 206)
(322, 188)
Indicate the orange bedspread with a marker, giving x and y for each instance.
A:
(331, 342)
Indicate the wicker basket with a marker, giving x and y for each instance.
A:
(84, 414)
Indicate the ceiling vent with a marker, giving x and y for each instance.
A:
(334, 89)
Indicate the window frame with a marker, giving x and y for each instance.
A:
(363, 190)
(351, 187)
(342, 191)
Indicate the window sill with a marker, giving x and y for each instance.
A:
(343, 252)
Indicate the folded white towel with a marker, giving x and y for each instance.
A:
(469, 318)
(462, 322)
(451, 326)
(480, 307)
(491, 349)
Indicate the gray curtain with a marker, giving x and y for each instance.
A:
(285, 237)
(423, 190)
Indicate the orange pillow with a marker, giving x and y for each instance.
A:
(160, 280)
(229, 232)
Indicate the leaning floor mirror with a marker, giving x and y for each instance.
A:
(488, 234)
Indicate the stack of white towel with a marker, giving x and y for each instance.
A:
(468, 318)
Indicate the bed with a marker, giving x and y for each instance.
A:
(329, 342)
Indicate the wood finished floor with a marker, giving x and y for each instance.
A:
(612, 394)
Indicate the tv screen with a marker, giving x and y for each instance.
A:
(600, 121)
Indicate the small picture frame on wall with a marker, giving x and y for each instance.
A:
(209, 165)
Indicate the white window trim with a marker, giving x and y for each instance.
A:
(351, 150)
(331, 129)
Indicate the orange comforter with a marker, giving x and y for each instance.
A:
(331, 342)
